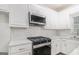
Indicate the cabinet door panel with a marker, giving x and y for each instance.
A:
(18, 15)
(20, 48)
(68, 46)
(71, 45)
(54, 49)
(64, 46)
(23, 53)
(56, 46)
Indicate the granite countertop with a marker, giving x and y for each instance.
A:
(17, 42)
(66, 38)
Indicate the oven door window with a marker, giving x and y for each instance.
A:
(45, 50)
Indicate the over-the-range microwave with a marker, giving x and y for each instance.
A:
(37, 19)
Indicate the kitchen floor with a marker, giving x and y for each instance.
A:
(60, 53)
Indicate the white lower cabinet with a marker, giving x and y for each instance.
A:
(68, 46)
(24, 49)
(53, 49)
(55, 46)
(23, 53)
(65, 46)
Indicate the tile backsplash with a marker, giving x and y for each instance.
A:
(20, 33)
(63, 33)
(39, 31)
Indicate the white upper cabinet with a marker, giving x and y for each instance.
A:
(63, 22)
(18, 15)
(34, 9)
(51, 20)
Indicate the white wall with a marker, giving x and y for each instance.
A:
(4, 32)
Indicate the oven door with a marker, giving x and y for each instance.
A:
(44, 50)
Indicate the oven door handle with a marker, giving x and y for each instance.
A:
(41, 45)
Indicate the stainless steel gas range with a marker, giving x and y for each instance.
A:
(41, 45)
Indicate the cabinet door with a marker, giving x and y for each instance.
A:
(58, 42)
(18, 15)
(21, 49)
(68, 46)
(23, 53)
(56, 47)
(71, 45)
(36, 9)
(65, 21)
(64, 46)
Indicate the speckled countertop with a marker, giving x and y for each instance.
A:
(66, 38)
(17, 42)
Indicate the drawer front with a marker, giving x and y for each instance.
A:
(20, 48)
(23, 53)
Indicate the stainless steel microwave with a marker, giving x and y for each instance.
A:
(37, 19)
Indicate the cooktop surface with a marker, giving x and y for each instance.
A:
(39, 39)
